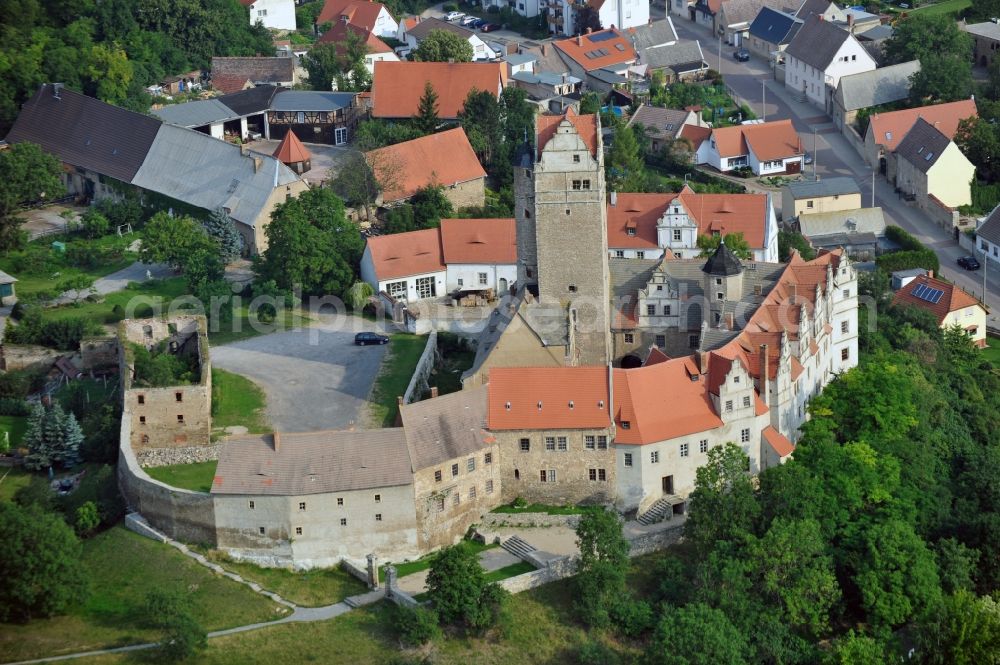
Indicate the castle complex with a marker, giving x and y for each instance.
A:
(599, 380)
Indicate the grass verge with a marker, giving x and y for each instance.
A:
(512, 570)
(423, 563)
(311, 588)
(992, 352)
(946, 7)
(236, 400)
(394, 376)
(11, 480)
(122, 568)
(136, 302)
(196, 477)
(543, 508)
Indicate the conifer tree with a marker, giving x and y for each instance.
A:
(222, 229)
(427, 111)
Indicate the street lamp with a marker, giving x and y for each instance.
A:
(763, 100)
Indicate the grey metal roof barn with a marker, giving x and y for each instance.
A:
(208, 173)
(879, 86)
(311, 100)
(196, 114)
(809, 189)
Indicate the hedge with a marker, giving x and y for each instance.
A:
(906, 260)
(903, 238)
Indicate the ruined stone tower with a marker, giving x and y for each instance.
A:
(562, 229)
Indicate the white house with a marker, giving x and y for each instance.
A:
(818, 56)
(372, 16)
(274, 14)
(526, 8)
(419, 31)
(765, 147)
(622, 14)
(988, 237)
(461, 255)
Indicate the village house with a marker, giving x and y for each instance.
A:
(771, 32)
(660, 50)
(824, 9)
(818, 56)
(444, 159)
(930, 167)
(859, 232)
(7, 295)
(765, 148)
(663, 126)
(866, 90)
(376, 50)
(601, 59)
(314, 116)
(398, 86)
(370, 16)
(988, 236)
(416, 34)
(951, 305)
(985, 41)
(462, 255)
(108, 150)
(651, 226)
(702, 12)
(622, 14)
(808, 197)
(734, 18)
(235, 74)
(273, 14)
(886, 130)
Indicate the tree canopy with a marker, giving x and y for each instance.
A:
(443, 46)
(944, 52)
(27, 175)
(341, 63)
(457, 585)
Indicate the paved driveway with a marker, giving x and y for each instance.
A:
(314, 378)
(326, 161)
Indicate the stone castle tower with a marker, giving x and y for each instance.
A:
(562, 235)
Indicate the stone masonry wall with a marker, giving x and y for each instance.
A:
(471, 193)
(529, 520)
(98, 352)
(152, 457)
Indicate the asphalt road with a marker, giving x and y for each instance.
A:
(314, 378)
(834, 156)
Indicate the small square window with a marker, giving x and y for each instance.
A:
(576, 159)
(745, 435)
(525, 445)
(550, 443)
(628, 459)
(661, 341)
(180, 418)
(178, 397)
(592, 474)
(340, 501)
(298, 531)
(684, 450)
(260, 530)
(626, 424)
(572, 288)
(454, 470)
(378, 517)
(561, 444)
(602, 475)
(343, 521)
(378, 498)
(488, 458)
(142, 420)
(847, 293)
(251, 505)
(586, 184)
(302, 505)
(629, 338)
(602, 442)
(845, 354)
(437, 476)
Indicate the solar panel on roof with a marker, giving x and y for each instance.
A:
(928, 294)
(602, 36)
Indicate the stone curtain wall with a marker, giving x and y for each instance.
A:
(153, 457)
(21, 356)
(529, 520)
(653, 542)
(418, 382)
(98, 352)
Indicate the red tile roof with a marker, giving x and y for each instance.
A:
(952, 300)
(548, 398)
(229, 84)
(695, 134)
(725, 213)
(406, 254)
(359, 12)
(484, 241)
(888, 129)
(586, 127)
(340, 31)
(291, 150)
(598, 49)
(779, 442)
(445, 158)
(398, 86)
(769, 140)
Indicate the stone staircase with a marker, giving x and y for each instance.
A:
(519, 548)
(662, 509)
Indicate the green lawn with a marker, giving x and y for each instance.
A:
(11, 480)
(29, 283)
(512, 570)
(312, 588)
(236, 400)
(423, 563)
(136, 302)
(945, 7)
(245, 326)
(16, 425)
(122, 568)
(992, 352)
(397, 369)
(543, 508)
(197, 477)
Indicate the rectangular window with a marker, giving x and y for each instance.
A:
(178, 397)
(378, 498)
(456, 499)
(378, 517)
(619, 254)
(576, 184)
(437, 476)
(666, 310)
(661, 341)
(586, 184)
(628, 459)
(626, 424)
(745, 435)
(425, 287)
(472, 492)
(845, 326)
(729, 405)
(340, 501)
(302, 505)
(260, 530)
(488, 458)
(651, 310)
(845, 354)
(396, 289)
(483, 279)
(440, 504)
(251, 505)
(525, 445)
(142, 420)
(343, 521)
(629, 338)
(602, 475)
(640, 254)
(677, 235)
(703, 446)
(298, 531)
(684, 450)
(550, 443)
(576, 159)
(654, 457)
(454, 470)
(562, 444)
(602, 442)
(470, 465)
(489, 487)
(847, 293)
(592, 474)
(590, 442)
(180, 418)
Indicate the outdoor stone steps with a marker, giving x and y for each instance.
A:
(518, 547)
(656, 513)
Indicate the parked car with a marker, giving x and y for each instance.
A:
(453, 16)
(366, 338)
(469, 20)
(741, 55)
(489, 27)
(476, 23)
(969, 262)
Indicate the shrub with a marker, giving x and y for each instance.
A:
(633, 617)
(15, 385)
(593, 652)
(87, 519)
(118, 213)
(905, 260)
(94, 224)
(12, 406)
(418, 625)
(449, 7)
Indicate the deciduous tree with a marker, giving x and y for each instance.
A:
(736, 243)
(443, 46)
(723, 505)
(458, 588)
(27, 175)
(696, 634)
(600, 580)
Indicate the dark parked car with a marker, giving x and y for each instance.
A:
(489, 27)
(478, 23)
(366, 338)
(741, 55)
(969, 263)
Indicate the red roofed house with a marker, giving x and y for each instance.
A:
(462, 255)
(886, 130)
(398, 86)
(376, 49)
(647, 226)
(445, 159)
(602, 58)
(371, 16)
(766, 148)
(951, 305)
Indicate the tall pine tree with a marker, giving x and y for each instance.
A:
(221, 227)
(427, 111)
(53, 437)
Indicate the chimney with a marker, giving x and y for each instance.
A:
(792, 292)
(590, 30)
(730, 321)
(579, 40)
(614, 199)
(850, 23)
(764, 379)
(434, 392)
(277, 442)
(56, 89)
(930, 274)
(257, 163)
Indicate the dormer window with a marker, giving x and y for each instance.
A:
(630, 231)
(626, 424)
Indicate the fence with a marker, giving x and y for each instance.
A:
(418, 382)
